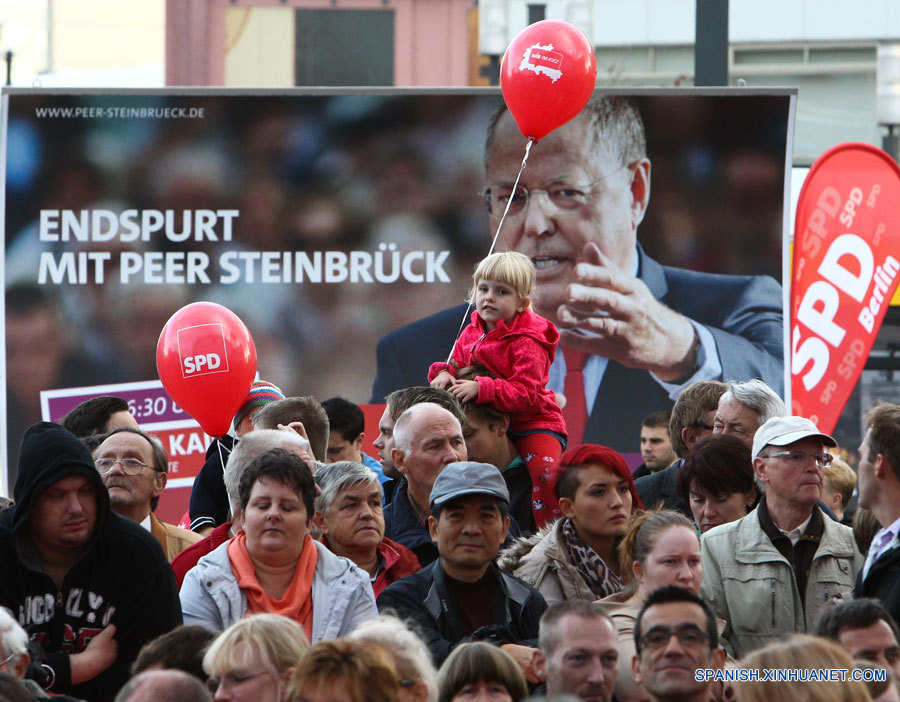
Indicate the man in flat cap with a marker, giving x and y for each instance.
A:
(463, 595)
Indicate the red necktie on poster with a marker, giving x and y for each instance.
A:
(575, 411)
(844, 273)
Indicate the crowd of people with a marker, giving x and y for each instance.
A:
(312, 588)
(491, 552)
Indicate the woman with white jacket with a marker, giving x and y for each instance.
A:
(274, 565)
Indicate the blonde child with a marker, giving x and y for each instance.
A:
(517, 346)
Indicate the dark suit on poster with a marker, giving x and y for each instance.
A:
(743, 313)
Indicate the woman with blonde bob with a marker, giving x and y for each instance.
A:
(480, 671)
(253, 659)
(804, 652)
(349, 671)
(412, 659)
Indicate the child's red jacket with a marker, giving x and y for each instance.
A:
(519, 355)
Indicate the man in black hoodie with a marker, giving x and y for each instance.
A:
(88, 585)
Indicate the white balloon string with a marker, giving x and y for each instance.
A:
(528, 144)
(219, 447)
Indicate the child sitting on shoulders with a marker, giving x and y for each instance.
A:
(517, 346)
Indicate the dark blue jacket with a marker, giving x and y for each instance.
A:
(660, 488)
(209, 500)
(883, 581)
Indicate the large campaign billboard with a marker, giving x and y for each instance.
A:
(328, 221)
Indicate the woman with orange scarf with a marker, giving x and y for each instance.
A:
(274, 565)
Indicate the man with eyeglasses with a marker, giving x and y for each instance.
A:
(89, 586)
(771, 573)
(675, 635)
(633, 333)
(745, 407)
(135, 467)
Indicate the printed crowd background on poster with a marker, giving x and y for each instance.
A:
(324, 220)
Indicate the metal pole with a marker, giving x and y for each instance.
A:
(711, 43)
(890, 142)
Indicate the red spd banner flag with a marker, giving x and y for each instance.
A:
(845, 270)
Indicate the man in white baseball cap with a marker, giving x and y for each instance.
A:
(770, 573)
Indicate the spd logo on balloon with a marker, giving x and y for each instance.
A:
(207, 347)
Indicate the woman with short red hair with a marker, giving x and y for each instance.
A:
(575, 557)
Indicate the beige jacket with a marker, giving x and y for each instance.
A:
(624, 615)
(542, 562)
(173, 539)
(749, 584)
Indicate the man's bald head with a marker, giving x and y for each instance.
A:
(415, 419)
(426, 438)
(164, 686)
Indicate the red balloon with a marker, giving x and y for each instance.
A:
(206, 360)
(547, 76)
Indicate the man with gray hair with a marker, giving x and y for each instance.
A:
(250, 446)
(427, 437)
(350, 518)
(163, 686)
(745, 407)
